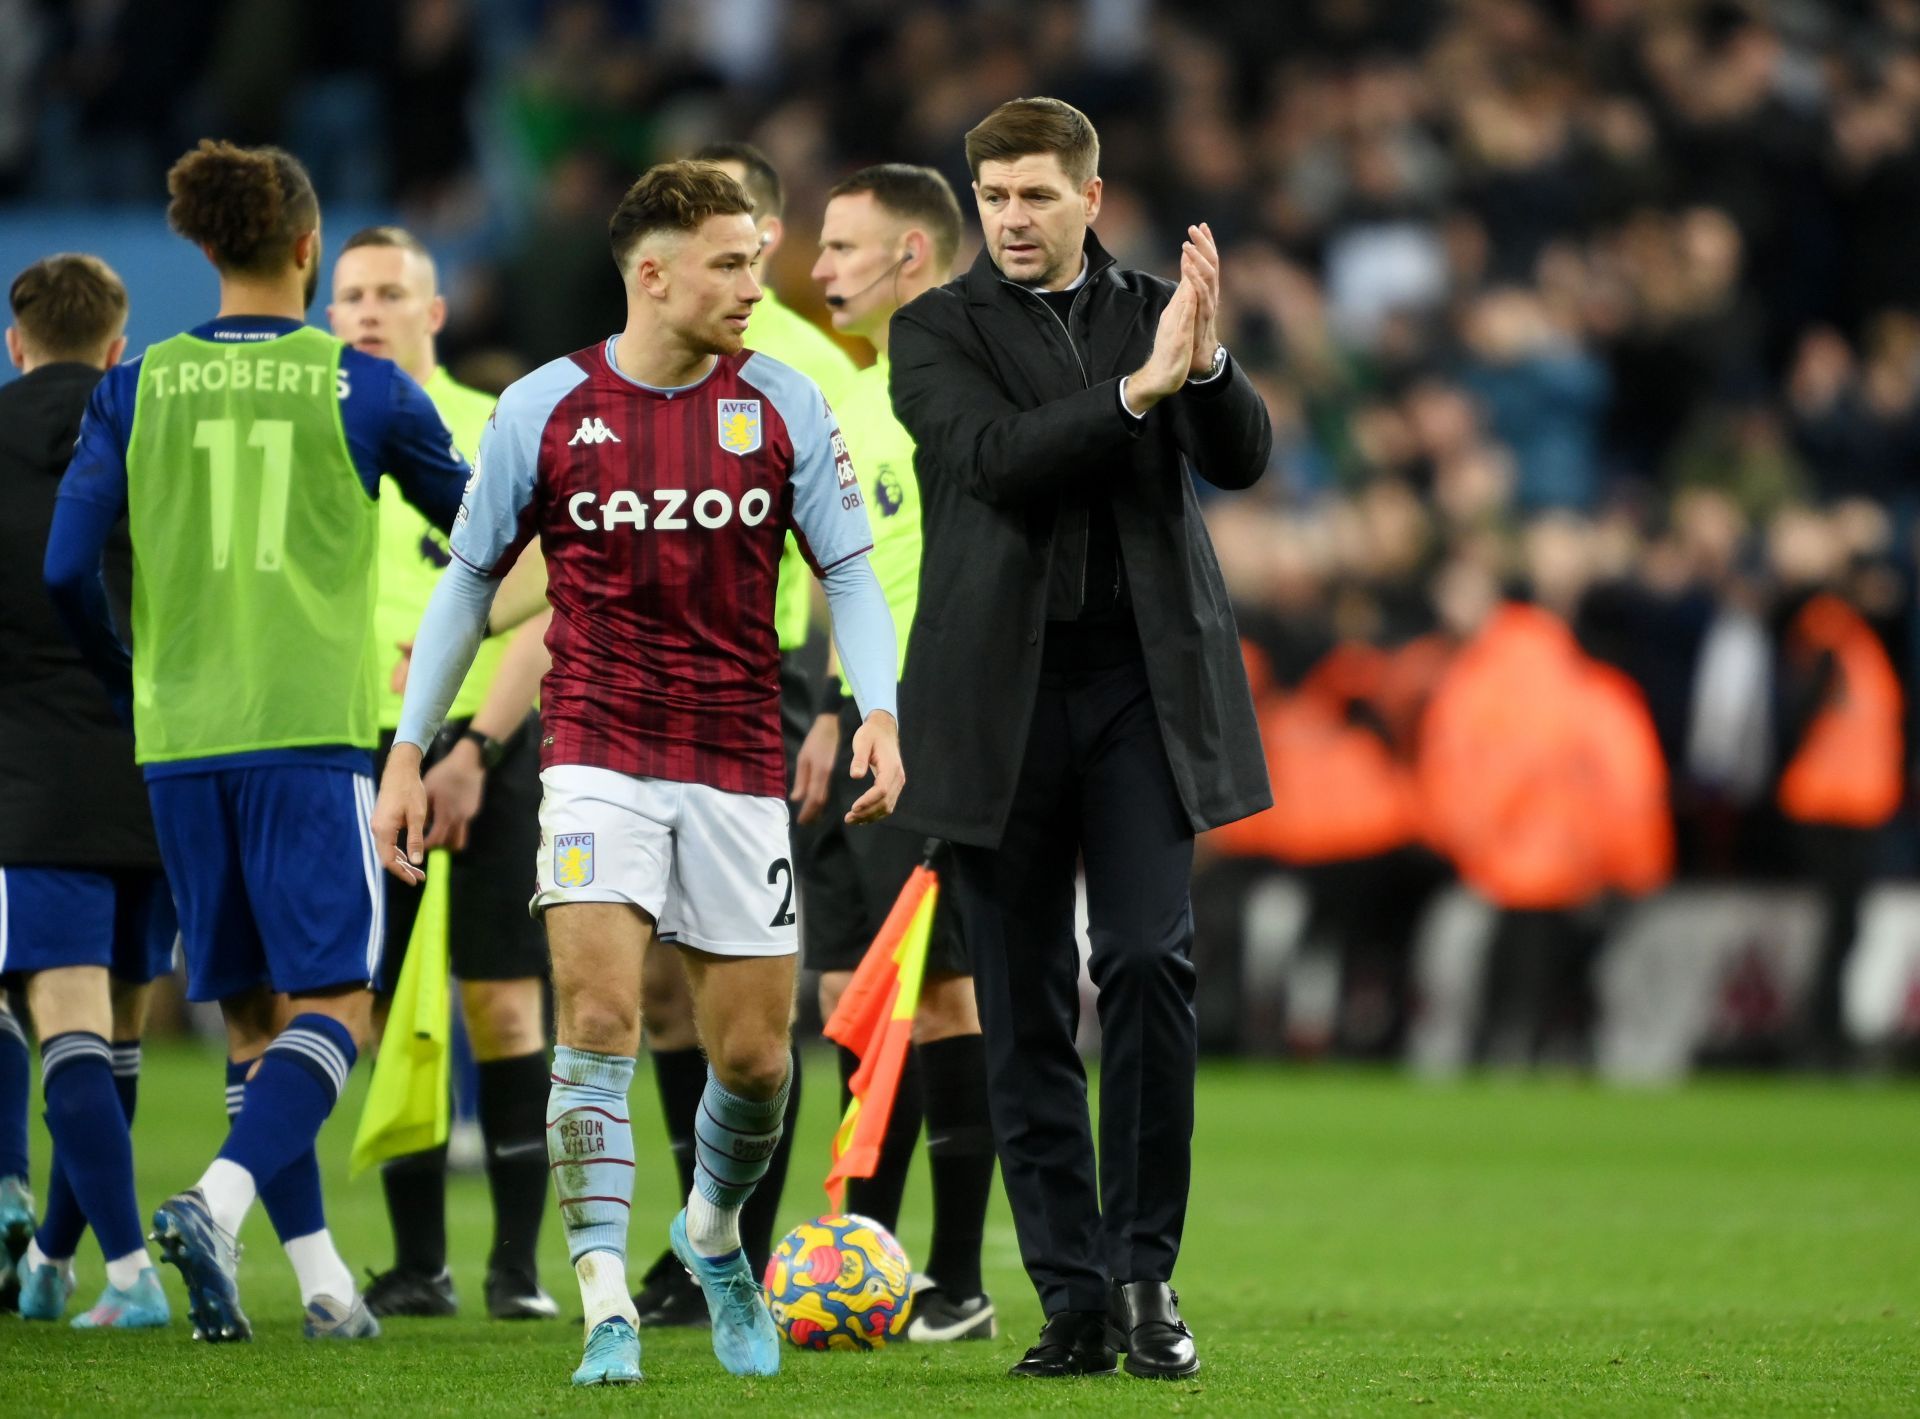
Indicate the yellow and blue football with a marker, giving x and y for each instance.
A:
(839, 1283)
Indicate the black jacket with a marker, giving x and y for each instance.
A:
(1006, 417)
(70, 795)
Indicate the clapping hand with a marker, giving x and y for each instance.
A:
(1200, 268)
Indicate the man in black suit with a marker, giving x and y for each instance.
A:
(1074, 693)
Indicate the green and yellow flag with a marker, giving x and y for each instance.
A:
(409, 1105)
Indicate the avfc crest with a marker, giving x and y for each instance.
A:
(572, 859)
(740, 425)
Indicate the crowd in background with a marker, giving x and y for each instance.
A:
(1590, 331)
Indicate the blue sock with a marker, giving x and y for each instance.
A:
(289, 1097)
(16, 1069)
(733, 1139)
(292, 1195)
(62, 1224)
(90, 1139)
(590, 1145)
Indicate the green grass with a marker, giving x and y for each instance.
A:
(1358, 1244)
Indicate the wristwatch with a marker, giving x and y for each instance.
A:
(492, 751)
(833, 694)
(1213, 370)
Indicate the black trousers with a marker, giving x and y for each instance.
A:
(1094, 788)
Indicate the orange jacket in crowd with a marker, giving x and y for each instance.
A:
(1540, 772)
(1338, 791)
(1847, 770)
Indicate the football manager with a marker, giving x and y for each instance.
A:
(1074, 695)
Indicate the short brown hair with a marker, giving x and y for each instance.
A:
(762, 180)
(395, 238)
(68, 305)
(914, 194)
(1020, 128)
(673, 197)
(245, 205)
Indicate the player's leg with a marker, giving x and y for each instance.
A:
(597, 949)
(601, 880)
(730, 910)
(668, 1295)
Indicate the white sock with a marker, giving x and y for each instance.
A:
(229, 1191)
(318, 1268)
(603, 1288)
(713, 1230)
(123, 1271)
(35, 1257)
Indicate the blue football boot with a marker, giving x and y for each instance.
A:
(208, 1259)
(45, 1290)
(142, 1306)
(744, 1338)
(330, 1319)
(612, 1355)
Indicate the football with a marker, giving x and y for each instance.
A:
(839, 1283)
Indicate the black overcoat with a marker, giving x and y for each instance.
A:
(1007, 414)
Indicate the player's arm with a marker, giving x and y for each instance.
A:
(954, 405)
(813, 765)
(456, 785)
(491, 529)
(92, 499)
(417, 449)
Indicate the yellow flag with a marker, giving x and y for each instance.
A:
(408, 1108)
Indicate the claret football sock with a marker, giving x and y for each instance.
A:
(734, 1138)
(590, 1150)
(91, 1140)
(879, 1196)
(960, 1158)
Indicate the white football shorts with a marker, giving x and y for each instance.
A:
(713, 869)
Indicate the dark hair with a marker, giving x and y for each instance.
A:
(395, 238)
(914, 194)
(673, 197)
(1020, 128)
(68, 305)
(762, 182)
(245, 205)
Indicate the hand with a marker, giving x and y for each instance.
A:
(455, 787)
(813, 769)
(876, 751)
(1166, 368)
(1200, 266)
(401, 808)
(397, 678)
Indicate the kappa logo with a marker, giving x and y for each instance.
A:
(573, 859)
(740, 425)
(593, 431)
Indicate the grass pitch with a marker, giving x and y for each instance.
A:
(1358, 1244)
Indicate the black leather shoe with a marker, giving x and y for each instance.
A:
(1143, 1319)
(1071, 1343)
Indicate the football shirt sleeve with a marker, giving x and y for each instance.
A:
(451, 629)
(418, 450)
(92, 499)
(496, 517)
(829, 515)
